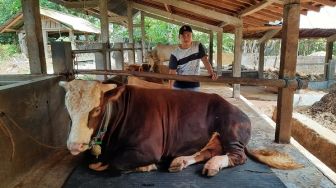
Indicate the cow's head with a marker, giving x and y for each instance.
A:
(83, 100)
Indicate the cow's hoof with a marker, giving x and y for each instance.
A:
(180, 163)
(147, 168)
(209, 172)
(214, 165)
(98, 166)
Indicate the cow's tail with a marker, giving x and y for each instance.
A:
(273, 158)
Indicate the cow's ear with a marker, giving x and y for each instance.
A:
(107, 87)
(64, 84)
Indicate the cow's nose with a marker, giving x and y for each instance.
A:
(76, 148)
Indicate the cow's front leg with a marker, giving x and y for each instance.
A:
(98, 166)
(213, 148)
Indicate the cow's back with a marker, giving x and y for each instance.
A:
(170, 123)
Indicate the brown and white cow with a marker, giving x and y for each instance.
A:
(137, 127)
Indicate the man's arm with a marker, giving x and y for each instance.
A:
(171, 82)
(204, 57)
(172, 69)
(209, 68)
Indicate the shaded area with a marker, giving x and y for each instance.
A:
(251, 174)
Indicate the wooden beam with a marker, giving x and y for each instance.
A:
(288, 60)
(77, 4)
(310, 7)
(219, 52)
(261, 28)
(223, 24)
(143, 35)
(236, 67)
(131, 53)
(196, 78)
(270, 34)
(328, 57)
(326, 2)
(332, 38)
(202, 11)
(175, 22)
(168, 8)
(211, 40)
(261, 60)
(11, 23)
(34, 38)
(103, 59)
(175, 17)
(255, 8)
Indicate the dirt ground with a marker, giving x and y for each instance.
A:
(323, 111)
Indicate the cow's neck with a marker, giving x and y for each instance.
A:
(96, 140)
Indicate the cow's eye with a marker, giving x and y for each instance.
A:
(96, 111)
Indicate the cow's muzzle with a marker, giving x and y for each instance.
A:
(76, 148)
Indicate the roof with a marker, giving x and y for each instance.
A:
(70, 21)
(313, 25)
(216, 15)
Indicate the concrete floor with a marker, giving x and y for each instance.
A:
(263, 137)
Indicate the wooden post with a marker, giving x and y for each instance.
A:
(104, 60)
(211, 38)
(331, 73)
(72, 39)
(219, 52)
(62, 58)
(236, 67)
(34, 38)
(45, 43)
(328, 57)
(143, 37)
(261, 60)
(118, 56)
(131, 54)
(288, 60)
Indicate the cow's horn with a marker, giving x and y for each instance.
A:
(107, 87)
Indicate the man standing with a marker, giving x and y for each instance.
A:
(185, 60)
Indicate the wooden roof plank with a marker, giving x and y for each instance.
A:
(174, 22)
(77, 4)
(174, 17)
(268, 35)
(331, 38)
(255, 8)
(326, 2)
(200, 10)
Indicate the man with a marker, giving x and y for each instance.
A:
(185, 60)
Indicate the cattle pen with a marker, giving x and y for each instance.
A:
(34, 122)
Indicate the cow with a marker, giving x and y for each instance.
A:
(133, 128)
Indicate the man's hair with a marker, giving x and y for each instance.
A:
(185, 28)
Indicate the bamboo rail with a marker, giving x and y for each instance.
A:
(280, 83)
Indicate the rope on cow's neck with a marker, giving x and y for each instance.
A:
(9, 134)
(97, 140)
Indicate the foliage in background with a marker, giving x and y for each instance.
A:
(11, 7)
(159, 32)
(309, 46)
(7, 51)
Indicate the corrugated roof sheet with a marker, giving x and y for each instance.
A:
(73, 22)
(76, 23)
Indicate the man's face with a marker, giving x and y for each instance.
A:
(186, 37)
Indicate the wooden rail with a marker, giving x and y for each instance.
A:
(280, 83)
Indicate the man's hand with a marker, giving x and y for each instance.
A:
(214, 76)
